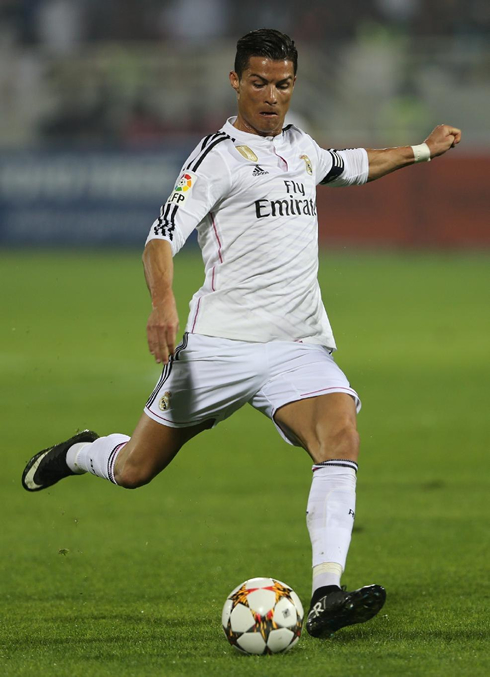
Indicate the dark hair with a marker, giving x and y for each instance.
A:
(265, 42)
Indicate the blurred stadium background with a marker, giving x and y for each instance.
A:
(101, 101)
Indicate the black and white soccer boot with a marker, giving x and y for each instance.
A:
(337, 608)
(49, 465)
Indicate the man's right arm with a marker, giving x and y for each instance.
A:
(202, 183)
(163, 323)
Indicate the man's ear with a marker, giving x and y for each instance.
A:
(234, 81)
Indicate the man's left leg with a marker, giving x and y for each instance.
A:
(326, 427)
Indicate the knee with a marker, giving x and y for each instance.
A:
(131, 476)
(339, 442)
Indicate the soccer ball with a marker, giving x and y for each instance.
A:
(262, 616)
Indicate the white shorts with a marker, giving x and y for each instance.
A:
(209, 378)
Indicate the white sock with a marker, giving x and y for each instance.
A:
(98, 457)
(72, 455)
(325, 574)
(330, 518)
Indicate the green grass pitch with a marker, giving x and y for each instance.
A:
(97, 581)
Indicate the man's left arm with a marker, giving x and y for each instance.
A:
(386, 160)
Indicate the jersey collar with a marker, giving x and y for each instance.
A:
(252, 139)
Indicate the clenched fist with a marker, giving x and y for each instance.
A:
(442, 138)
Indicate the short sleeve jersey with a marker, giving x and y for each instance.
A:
(253, 202)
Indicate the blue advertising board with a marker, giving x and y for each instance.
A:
(84, 197)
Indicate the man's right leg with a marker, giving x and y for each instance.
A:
(150, 449)
(128, 462)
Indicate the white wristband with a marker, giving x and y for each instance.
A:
(421, 153)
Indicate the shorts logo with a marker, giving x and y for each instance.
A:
(164, 403)
(247, 153)
(309, 166)
(183, 188)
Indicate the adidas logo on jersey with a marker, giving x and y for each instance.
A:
(258, 171)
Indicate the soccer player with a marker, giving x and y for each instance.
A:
(257, 330)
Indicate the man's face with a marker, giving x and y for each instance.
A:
(264, 93)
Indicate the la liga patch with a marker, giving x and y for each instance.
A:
(183, 188)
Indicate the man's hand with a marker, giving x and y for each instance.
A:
(163, 323)
(442, 138)
(162, 328)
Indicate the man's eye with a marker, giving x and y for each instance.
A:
(258, 85)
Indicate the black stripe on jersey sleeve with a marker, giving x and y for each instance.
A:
(172, 222)
(336, 169)
(210, 137)
(165, 225)
(202, 156)
(160, 228)
(204, 143)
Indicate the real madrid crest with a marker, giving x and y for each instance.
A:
(164, 403)
(247, 153)
(309, 166)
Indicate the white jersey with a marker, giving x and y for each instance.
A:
(253, 202)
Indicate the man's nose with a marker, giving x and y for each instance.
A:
(271, 95)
